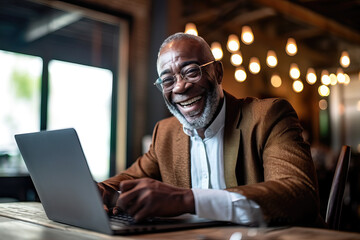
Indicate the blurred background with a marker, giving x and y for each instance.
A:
(91, 64)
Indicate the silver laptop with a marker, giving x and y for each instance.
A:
(68, 193)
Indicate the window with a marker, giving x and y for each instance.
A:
(80, 97)
(20, 77)
(69, 69)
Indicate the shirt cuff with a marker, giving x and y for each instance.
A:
(222, 205)
(213, 204)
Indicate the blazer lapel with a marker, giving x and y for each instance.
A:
(232, 134)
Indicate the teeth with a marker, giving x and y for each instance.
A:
(190, 101)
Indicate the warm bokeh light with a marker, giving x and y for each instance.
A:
(276, 80)
(324, 90)
(190, 28)
(347, 79)
(341, 109)
(323, 104)
(217, 50)
(233, 43)
(294, 71)
(340, 75)
(236, 59)
(240, 74)
(358, 106)
(254, 65)
(341, 78)
(298, 86)
(311, 76)
(291, 47)
(333, 79)
(325, 79)
(345, 59)
(271, 59)
(247, 35)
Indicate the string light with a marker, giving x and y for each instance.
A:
(190, 28)
(254, 65)
(240, 74)
(233, 43)
(298, 86)
(340, 75)
(291, 47)
(236, 59)
(333, 79)
(311, 76)
(325, 79)
(276, 80)
(271, 59)
(344, 59)
(247, 35)
(217, 50)
(324, 91)
(294, 71)
(347, 79)
(323, 104)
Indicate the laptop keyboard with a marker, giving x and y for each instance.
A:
(122, 218)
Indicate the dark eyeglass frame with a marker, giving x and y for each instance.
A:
(158, 83)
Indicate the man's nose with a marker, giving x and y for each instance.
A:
(181, 84)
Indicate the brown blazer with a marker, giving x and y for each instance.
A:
(265, 159)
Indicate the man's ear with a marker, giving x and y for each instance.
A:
(219, 71)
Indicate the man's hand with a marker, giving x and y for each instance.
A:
(108, 195)
(146, 197)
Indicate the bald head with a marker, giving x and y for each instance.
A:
(197, 41)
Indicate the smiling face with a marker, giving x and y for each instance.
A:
(194, 104)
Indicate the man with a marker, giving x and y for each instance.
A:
(239, 160)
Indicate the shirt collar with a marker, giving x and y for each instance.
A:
(215, 126)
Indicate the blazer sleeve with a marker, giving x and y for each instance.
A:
(275, 150)
(144, 166)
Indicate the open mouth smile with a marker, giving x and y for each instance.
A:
(189, 102)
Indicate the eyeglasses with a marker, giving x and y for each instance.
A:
(190, 73)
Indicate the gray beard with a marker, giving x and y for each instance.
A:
(211, 104)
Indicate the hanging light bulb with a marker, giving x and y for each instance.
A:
(291, 48)
(190, 28)
(254, 65)
(323, 104)
(271, 59)
(298, 86)
(347, 79)
(333, 79)
(311, 76)
(324, 91)
(294, 71)
(276, 80)
(325, 79)
(344, 59)
(217, 50)
(340, 75)
(247, 35)
(233, 43)
(240, 74)
(236, 59)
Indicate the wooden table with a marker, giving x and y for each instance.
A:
(11, 228)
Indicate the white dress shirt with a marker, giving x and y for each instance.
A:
(208, 181)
